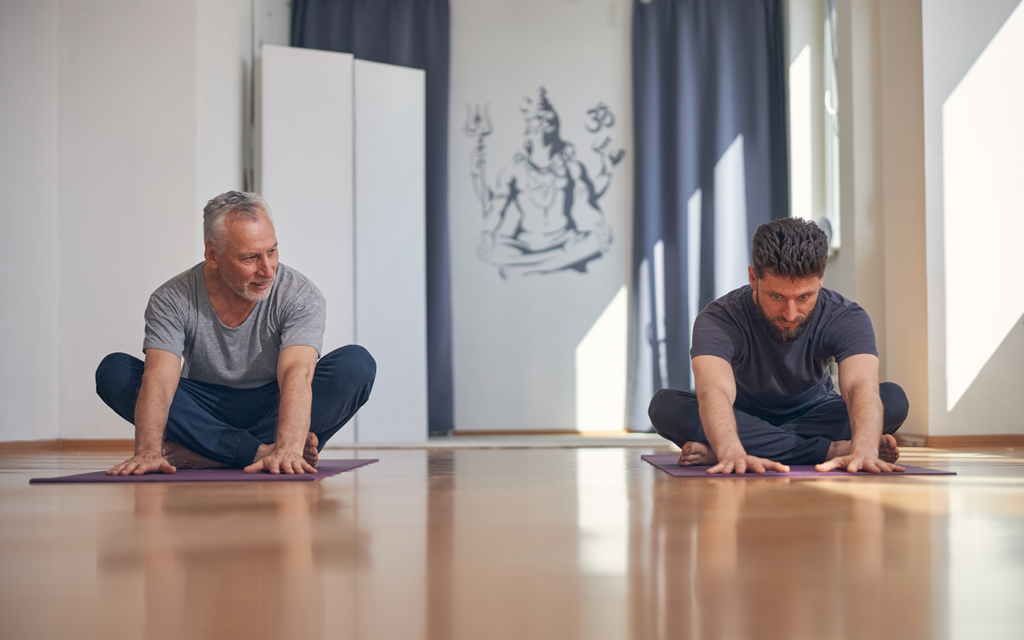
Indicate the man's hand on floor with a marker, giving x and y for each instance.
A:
(854, 463)
(744, 463)
(142, 463)
(281, 461)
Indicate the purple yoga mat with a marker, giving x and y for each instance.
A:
(324, 468)
(667, 463)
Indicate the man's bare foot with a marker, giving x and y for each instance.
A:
(695, 454)
(838, 449)
(183, 458)
(887, 449)
(309, 452)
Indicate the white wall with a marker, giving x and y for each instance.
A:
(223, 66)
(961, 48)
(127, 121)
(28, 219)
(858, 270)
(901, 63)
(903, 203)
(805, 36)
(881, 262)
(119, 120)
(515, 339)
(390, 301)
(340, 150)
(305, 170)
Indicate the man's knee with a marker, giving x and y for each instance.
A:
(114, 374)
(674, 414)
(657, 410)
(895, 404)
(351, 367)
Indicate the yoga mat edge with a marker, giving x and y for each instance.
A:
(325, 469)
(667, 463)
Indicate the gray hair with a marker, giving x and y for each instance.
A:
(233, 203)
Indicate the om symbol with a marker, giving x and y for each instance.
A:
(602, 118)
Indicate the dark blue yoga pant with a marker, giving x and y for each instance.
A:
(800, 439)
(228, 425)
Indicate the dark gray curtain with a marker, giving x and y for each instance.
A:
(704, 73)
(410, 33)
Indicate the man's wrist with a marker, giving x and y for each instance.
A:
(731, 450)
(148, 450)
(289, 443)
(864, 448)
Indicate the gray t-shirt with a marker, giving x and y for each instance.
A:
(775, 379)
(180, 319)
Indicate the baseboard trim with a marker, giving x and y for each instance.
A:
(911, 439)
(538, 432)
(28, 446)
(952, 442)
(65, 444)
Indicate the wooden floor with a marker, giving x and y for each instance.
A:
(515, 543)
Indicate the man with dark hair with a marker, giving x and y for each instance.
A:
(760, 354)
(252, 392)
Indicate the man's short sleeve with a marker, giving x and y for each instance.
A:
(303, 320)
(165, 322)
(711, 336)
(850, 333)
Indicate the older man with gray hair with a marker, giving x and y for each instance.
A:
(252, 392)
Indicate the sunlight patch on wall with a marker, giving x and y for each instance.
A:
(693, 212)
(659, 311)
(800, 146)
(643, 384)
(983, 161)
(732, 242)
(601, 370)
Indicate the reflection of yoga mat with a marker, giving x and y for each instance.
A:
(667, 463)
(324, 468)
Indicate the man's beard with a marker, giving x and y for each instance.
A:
(254, 296)
(776, 332)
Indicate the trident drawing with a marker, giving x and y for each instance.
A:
(478, 124)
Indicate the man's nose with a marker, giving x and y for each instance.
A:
(265, 269)
(791, 311)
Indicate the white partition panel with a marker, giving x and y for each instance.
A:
(304, 138)
(391, 248)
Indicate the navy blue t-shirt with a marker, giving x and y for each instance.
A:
(775, 379)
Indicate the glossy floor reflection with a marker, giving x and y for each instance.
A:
(515, 543)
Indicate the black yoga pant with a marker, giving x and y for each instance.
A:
(228, 425)
(802, 439)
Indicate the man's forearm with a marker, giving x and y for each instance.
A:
(866, 414)
(151, 411)
(719, 421)
(294, 414)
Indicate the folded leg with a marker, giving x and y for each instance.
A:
(198, 420)
(801, 440)
(831, 419)
(341, 385)
(203, 418)
(676, 417)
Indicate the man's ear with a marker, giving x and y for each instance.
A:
(210, 255)
(753, 278)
